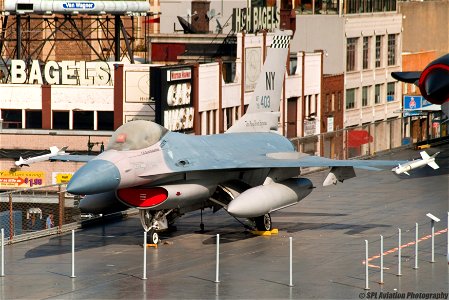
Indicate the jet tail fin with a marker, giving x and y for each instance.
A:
(263, 110)
(54, 149)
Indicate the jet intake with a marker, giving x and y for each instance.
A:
(142, 198)
(263, 199)
(165, 196)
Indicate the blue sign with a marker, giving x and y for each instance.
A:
(415, 104)
(79, 5)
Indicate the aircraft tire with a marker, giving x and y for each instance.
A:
(263, 223)
(152, 237)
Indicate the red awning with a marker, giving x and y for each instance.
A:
(153, 20)
(356, 138)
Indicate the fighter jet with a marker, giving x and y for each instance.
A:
(250, 171)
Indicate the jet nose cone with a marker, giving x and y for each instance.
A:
(97, 176)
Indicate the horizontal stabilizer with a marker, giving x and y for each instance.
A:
(409, 77)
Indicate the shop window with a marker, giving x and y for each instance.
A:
(366, 56)
(391, 49)
(390, 91)
(228, 71)
(83, 120)
(365, 94)
(61, 120)
(351, 54)
(350, 98)
(105, 120)
(377, 94)
(33, 119)
(12, 118)
(378, 51)
(293, 65)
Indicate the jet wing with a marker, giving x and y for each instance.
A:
(276, 160)
(295, 159)
(74, 157)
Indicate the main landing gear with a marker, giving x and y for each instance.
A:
(263, 223)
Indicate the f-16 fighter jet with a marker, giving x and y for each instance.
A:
(250, 170)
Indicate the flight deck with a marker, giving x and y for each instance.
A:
(328, 230)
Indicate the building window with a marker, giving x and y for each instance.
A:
(350, 98)
(105, 120)
(12, 118)
(378, 51)
(390, 91)
(351, 54)
(339, 100)
(391, 49)
(366, 46)
(377, 92)
(333, 102)
(33, 119)
(61, 120)
(365, 93)
(83, 120)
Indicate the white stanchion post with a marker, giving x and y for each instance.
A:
(73, 254)
(291, 261)
(381, 259)
(217, 269)
(366, 266)
(432, 224)
(416, 247)
(144, 277)
(447, 256)
(3, 252)
(399, 251)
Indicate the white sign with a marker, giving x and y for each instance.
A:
(309, 127)
(65, 73)
(179, 74)
(137, 86)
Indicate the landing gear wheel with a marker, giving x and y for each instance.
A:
(152, 237)
(263, 223)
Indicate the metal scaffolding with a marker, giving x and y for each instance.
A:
(70, 37)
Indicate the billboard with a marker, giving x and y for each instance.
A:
(172, 96)
(21, 179)
(47, 7)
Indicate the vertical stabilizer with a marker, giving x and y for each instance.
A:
(263, 110)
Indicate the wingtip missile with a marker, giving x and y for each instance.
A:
(53, 152)
(426, 159)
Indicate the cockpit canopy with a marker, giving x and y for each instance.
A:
(136, 135)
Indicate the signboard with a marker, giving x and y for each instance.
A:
(61, 177)
(64, 72)
(137, 86)
(47, 7)
(415, 104)
(255, 18)
(309, 127)
(172, 96)
(252, 67)
(21, 179)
